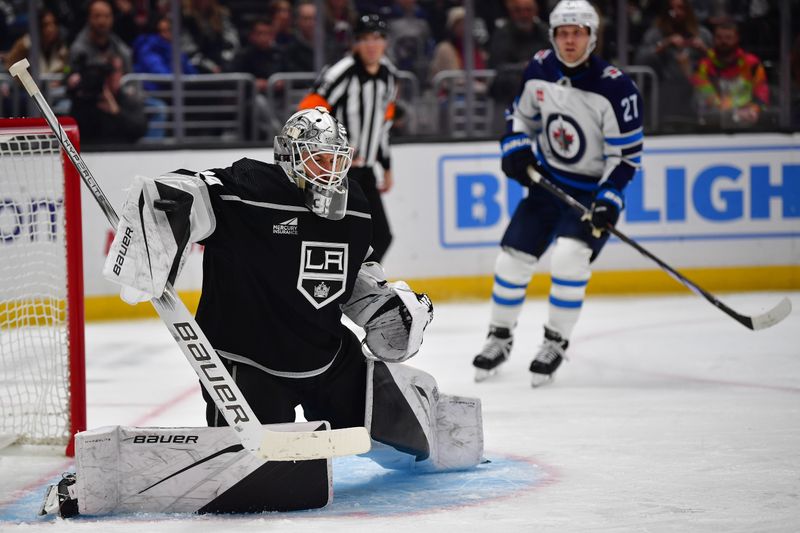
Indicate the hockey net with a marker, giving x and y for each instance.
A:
(42, 385)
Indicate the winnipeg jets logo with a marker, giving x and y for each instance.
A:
(611, 72)
(565, 138)
(323, 271)
(287, 227)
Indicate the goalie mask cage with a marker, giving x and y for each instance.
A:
(42, 384)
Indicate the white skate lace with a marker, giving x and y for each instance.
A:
(494, 348)
(550, 352)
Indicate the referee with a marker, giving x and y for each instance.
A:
(360, 91)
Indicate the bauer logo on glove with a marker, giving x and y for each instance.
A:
(127, 238)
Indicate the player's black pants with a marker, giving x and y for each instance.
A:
(338, 395)
(381, 234)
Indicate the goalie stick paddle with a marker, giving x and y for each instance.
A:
(297, 445)
(538, 174)
(269, 445)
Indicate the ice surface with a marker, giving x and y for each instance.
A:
(669, 416)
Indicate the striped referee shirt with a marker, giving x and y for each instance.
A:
(362, 102)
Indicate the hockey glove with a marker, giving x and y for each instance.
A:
(392, 315)
(604, 213)
(394, 332)
(150, 246)
(517, 157)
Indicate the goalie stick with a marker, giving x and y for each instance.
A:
(269, 445)
(538, 174)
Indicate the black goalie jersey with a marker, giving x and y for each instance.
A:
(274, 273)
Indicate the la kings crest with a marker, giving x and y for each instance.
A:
(323, 271)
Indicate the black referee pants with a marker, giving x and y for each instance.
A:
(381, 234)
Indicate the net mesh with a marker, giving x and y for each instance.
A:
(34, 351)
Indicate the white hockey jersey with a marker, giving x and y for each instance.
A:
(587, 127)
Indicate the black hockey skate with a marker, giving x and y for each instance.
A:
(494, 353)
(548, 359)
(61, 498)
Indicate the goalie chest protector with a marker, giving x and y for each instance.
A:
(274, 273)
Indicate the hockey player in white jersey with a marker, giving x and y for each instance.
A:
(581, 118)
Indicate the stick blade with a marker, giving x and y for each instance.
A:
(773, 316)
(306, 445)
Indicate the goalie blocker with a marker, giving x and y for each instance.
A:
(159, 219)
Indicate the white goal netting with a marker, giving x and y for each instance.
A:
(34, 342)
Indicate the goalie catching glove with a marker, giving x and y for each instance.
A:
(392, 315)
(159, 219)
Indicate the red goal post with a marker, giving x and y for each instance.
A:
(42, 377)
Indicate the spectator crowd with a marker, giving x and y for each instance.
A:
(715, 61)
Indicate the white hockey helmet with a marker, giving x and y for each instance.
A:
(312, 149)
(575, 13)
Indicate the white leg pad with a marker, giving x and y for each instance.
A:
(459, 433)
(415, 427)
(185, 470)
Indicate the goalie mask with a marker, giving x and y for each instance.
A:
(312, 149)
(574, 13)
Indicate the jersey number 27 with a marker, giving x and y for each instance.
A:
(631, 111)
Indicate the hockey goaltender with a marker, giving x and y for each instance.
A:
(284, 259)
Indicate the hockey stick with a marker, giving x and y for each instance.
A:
(217, 381)
(539, 175)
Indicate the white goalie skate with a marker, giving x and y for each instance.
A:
(548, 359)
(60, 499)
(494, 353)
